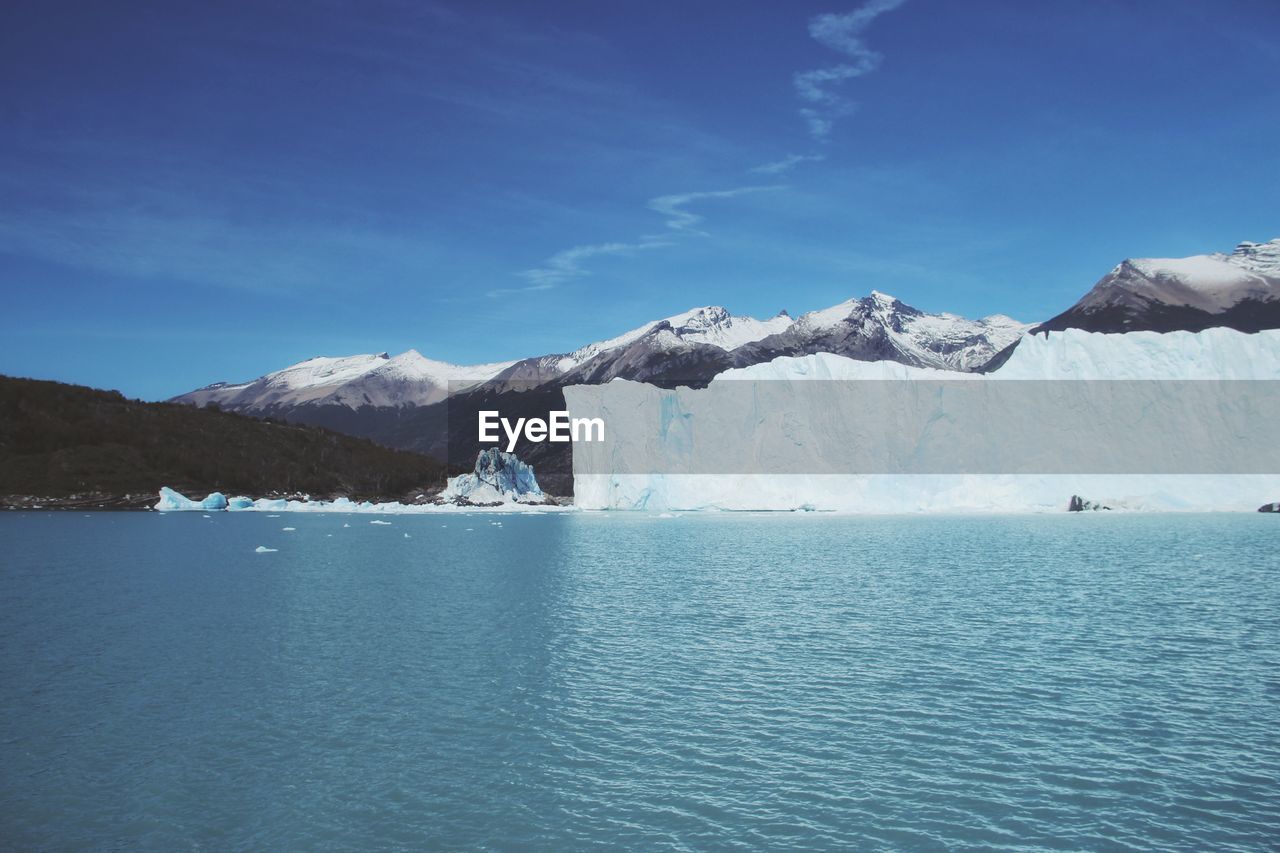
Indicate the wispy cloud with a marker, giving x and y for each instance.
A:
(568, 264)
(819, 88)
(822, 104)
(786, 164)
(679, 219)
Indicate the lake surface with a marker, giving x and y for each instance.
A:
(573, 681)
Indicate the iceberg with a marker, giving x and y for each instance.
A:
(501, 483)
(171, 501)
(499, 478)
(774, 457)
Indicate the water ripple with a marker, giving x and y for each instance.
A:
(630, 682)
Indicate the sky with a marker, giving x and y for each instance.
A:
(193, 192)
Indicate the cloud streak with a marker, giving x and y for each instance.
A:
(818, 89)
(570, 264)
(822, 103)
(679, 219)
(786, 164)
(567, 265)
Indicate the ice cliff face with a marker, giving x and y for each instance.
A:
(671, 428)
(499, 478)
(1071, 354)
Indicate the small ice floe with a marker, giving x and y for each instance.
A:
(288, 529)
(469, 529)
(407, 536)
(263, 549)
(379, 521)
(273, 516)
(346, 525)
(171, 501)
(206, 516)
(330, 535)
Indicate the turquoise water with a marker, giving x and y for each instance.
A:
(564, 682)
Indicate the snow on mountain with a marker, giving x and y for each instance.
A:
(1240, 290)
(1262, 258)
(711, 325)
(881, 328)
(408, 379)
(691, 345)
(601, 481)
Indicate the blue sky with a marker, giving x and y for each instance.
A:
(193, 192)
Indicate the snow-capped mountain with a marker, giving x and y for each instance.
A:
(687, 348)
(632, 353)
(395, 401)
(881, 328)
(380, 380)
(1240, 290)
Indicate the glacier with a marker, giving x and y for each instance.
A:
(601, 482)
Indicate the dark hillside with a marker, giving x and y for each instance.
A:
(59, 440)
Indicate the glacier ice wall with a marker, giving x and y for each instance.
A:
(665, 430)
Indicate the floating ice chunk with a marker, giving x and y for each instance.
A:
(499, 478)
(239, 502)
(263, 549)
(406, 536)
(379, 521)
(171, 501)
(288, 529)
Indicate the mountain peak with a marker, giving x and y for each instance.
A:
(1240, 290)
(882, 327)
(1261, 258)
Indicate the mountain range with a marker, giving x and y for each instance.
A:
(399, 401)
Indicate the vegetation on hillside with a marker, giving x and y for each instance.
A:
(60, 440)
